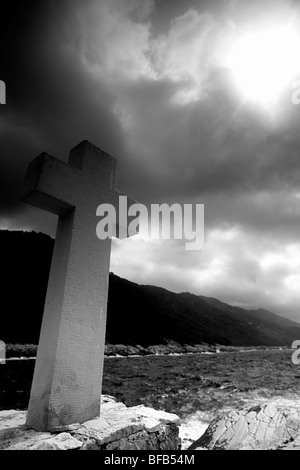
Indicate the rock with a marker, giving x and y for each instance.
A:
(112, 426)
(119, 425)
(151, 424)
(63, 441)
(165, 439)
(138, 441)
(109, 403)
(118, 428)
(161, 416)
(259, 428)
(11, 420)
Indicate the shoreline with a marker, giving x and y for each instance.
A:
(118, 356)
(16, 352)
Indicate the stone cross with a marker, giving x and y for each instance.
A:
(67, 379)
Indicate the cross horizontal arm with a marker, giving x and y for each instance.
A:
(47, 184)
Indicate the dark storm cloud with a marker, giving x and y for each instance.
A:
(68, 81)
(147, 81)
(53, 102)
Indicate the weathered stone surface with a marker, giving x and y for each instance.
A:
(15, 436)
(11, 420)
(292, 445)
(63, 441)
(151, 424)
(109, 403)
(138, 441)
(111, 426)
(165, 439)
(118, 428)
(24, 440)
(259, 428)
(161, 416)
(168, 438)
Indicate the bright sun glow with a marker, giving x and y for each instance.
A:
(265, 62)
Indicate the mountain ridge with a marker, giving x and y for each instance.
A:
(136, 314)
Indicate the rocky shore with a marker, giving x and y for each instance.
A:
(118, 428)
(264, 427)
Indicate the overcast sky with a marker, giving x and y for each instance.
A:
(148, 81)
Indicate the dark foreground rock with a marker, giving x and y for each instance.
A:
(263, 427)
(118, 428)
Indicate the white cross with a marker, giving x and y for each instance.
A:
(67, 379)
